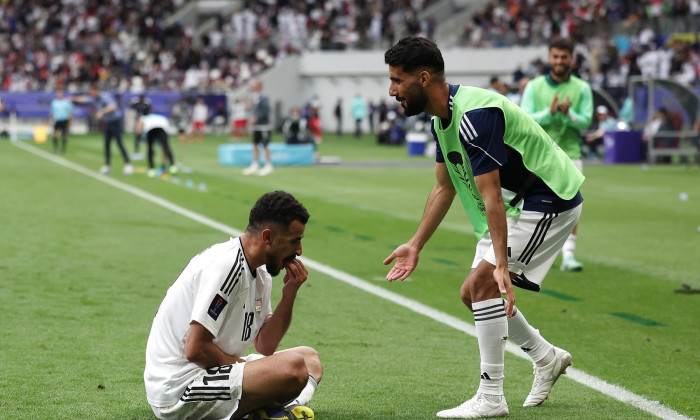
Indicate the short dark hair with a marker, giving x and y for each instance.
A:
(561, 43)
(277, 207)
(413, 53)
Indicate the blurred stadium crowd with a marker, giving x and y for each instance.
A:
(615, 39)
(125, 45)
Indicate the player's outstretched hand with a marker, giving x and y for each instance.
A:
(502, 277)
(406, 257)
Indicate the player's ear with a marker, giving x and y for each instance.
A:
(424, 78)
(266, 236)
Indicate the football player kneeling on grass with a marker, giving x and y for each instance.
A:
(217, 307)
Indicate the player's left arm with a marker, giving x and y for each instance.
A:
(201, 350)
(487, 154)
(489, 186)
(580, 115)
(276, 325)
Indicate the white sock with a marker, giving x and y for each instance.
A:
(306, 393)
(569, 247)
(527, 337)
(492, 332)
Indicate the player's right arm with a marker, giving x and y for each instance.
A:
(201, 350)
(527, 103)
(212, 303)
(439, 202)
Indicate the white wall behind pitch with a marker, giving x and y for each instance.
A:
(331, 75)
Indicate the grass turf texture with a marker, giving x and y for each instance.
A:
(84, 266)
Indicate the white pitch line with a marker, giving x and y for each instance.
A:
(614, 391)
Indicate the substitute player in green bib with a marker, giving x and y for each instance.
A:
(521, 193)
(563, 105)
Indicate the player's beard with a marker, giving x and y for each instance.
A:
(273, 266)
(416, 100)
(561, 71)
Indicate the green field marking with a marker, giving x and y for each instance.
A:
(445, 262)
(334, 229)
(364, 237)
(637, 319)
(562, 296)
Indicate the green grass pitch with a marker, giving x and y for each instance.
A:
(84, 266)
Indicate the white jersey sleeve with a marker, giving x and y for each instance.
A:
(217, 279)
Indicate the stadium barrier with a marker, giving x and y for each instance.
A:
(282, 154)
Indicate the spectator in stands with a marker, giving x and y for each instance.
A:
(563, 105)
(522, 82)
(110, 114)
(140, 106)
(495, 84)
(359, 111)
(504, 90)
(181, 117)
(262, 127)
(61, 113)
(594, 139)
(200, 116)
(660, 122)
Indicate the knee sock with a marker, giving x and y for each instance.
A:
(569, 247)
(492, 332)
(306, 393)
(527, 337)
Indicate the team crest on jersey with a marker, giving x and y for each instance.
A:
(258, 306)
(217, 305)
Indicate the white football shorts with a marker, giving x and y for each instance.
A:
(213, 394)
(578, 163)
(534, 240)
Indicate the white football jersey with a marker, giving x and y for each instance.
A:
(152, 121)
(200, 112)
(218, 290)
